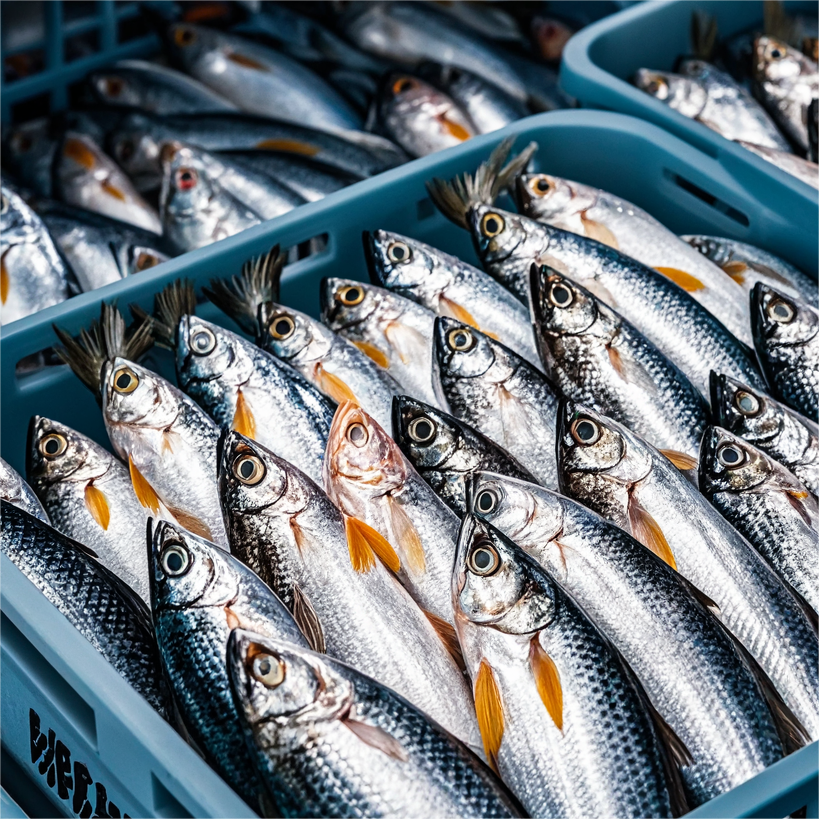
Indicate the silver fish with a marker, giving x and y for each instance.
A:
(28, 152)
(612, 471)
(328, 570)
(768, 505)
(784, 434)
(500, 394)
(14, 490)
(328, 740)
(450, 287)
(803, 169)
(488, 21)
(547, 685)
(679, 652)
(90, 498)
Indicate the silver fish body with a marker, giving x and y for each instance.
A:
(688, 665)
(563, 752)
(90, 498)
(803, 169)
(328, 740)
(286, 528)
(14, 490)
(609, 469)
(500, 394)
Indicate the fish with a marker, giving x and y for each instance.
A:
(395, 332)
(199, 595)
(259, 79)
(547, 684)
(368, 478)
(33, 275)
(14, 490)
(612, 221)
(335, 574)
(28, 152)
(680, 653)
(419, 117)
(90, 498)
(747, 264)
(786, 337)
(784, 434)
(488, 21)
(550, 37)
(446, 451)
(85, 177)
(786, 81)
(594, 356)
(503, 396)
(449, 287)
(702, 92)
(805, 170)
(623, 478)
(155, 88)
(328, 740)
(770, 506)
(94, 600)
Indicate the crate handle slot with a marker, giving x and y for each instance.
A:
(165, 803)
(708, 198)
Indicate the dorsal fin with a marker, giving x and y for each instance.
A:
(170, 305)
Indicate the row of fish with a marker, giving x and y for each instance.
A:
(420, 484)
(760, 90)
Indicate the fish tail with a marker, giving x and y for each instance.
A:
(170, 304)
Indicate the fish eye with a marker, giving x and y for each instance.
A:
(350, 296)
(145, 260)
(125, 380)
(746, 403)
(268, 670)
(113, 86)
(4, 205)
(776, 53)
(730, 456)
(492, 224)
(585, 432)
(403, 84)
(175, 558)
(357, 434)
(186, 178)
(540, 185)
(248, 469)
(422, 430)
(460, 340)
(281, 327)
(184, 36)
(483, 559)
(781, 311)
(125, 150)
(203, 341)
(53, 445)
(561, 295)
(398, 252)
(486, 501)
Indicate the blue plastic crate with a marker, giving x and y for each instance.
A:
(47, 666)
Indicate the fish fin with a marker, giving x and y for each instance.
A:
(681, 460)
(167, 441)
(407, 537)
(377, 738)
(405, 340)
(145, 493)
(365, 543)
(174, 301)
(191, 523)
(703, 35)
(489, 710)
(617, 361)
(307, 620)
(335, 387)
(454, 129)
(512, 414)
(736, 270)
(689, 283)
(75, 149)
(4, 280)
(372, 352)
(246, 62)
(97, 505)
(244, 421)
(648, 531)
(547, 680)
(448, 636)
(112, 190)
(795, 498)
(454, 310)
(288, 146)
(598, 231)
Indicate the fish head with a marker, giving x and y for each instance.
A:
(781, 321)
(546, 197)
(114, 88)
(82, 162)
(28, 150)
(728, 463)
(188, 43)
(186, 185)
(744, 411)
(136, 148)
(345, 302)
(684, 94)
(288, 333)
(427, 436)
(15, 220)
(58, 453)
(139, 258)
(500, 235)
(775, 61)
(698, 69)
(460, 350)
(206, 353)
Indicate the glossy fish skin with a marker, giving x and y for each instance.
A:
(283, 410)
(670, 318)
(504, 397)
(449, 287)
(90, 498)
(286, 528)
(394, 331)
(784, 434)
(596, 357)
(747, 264)
(169, 441)
(330, 741)
(97, 603)
(87, 178)
(450, 453)
(32, 273)
(802, 169)
(596, 752)
(369, 478)
(623, 226)
(14, 490)
(786, 82)
(688, 665)
(155, 88)
(769, 506)
(194, 612)
(786, 337)
(631, 484)
(262, 80)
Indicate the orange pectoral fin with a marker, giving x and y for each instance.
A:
(374, 353)
(288, 146)
(243, 420)
(648, 531)
(736, 270)
(4, 280)
(246, 62)
(407, 537)
(145, 493)
(335, 387)
(454, 129)
(97, 505)
(681, 460)
(81, 154)
(454, 310)
(489, 710)
(547, 680)
(598, 231)
(365, 543)
(112, 190)
(689, 283)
